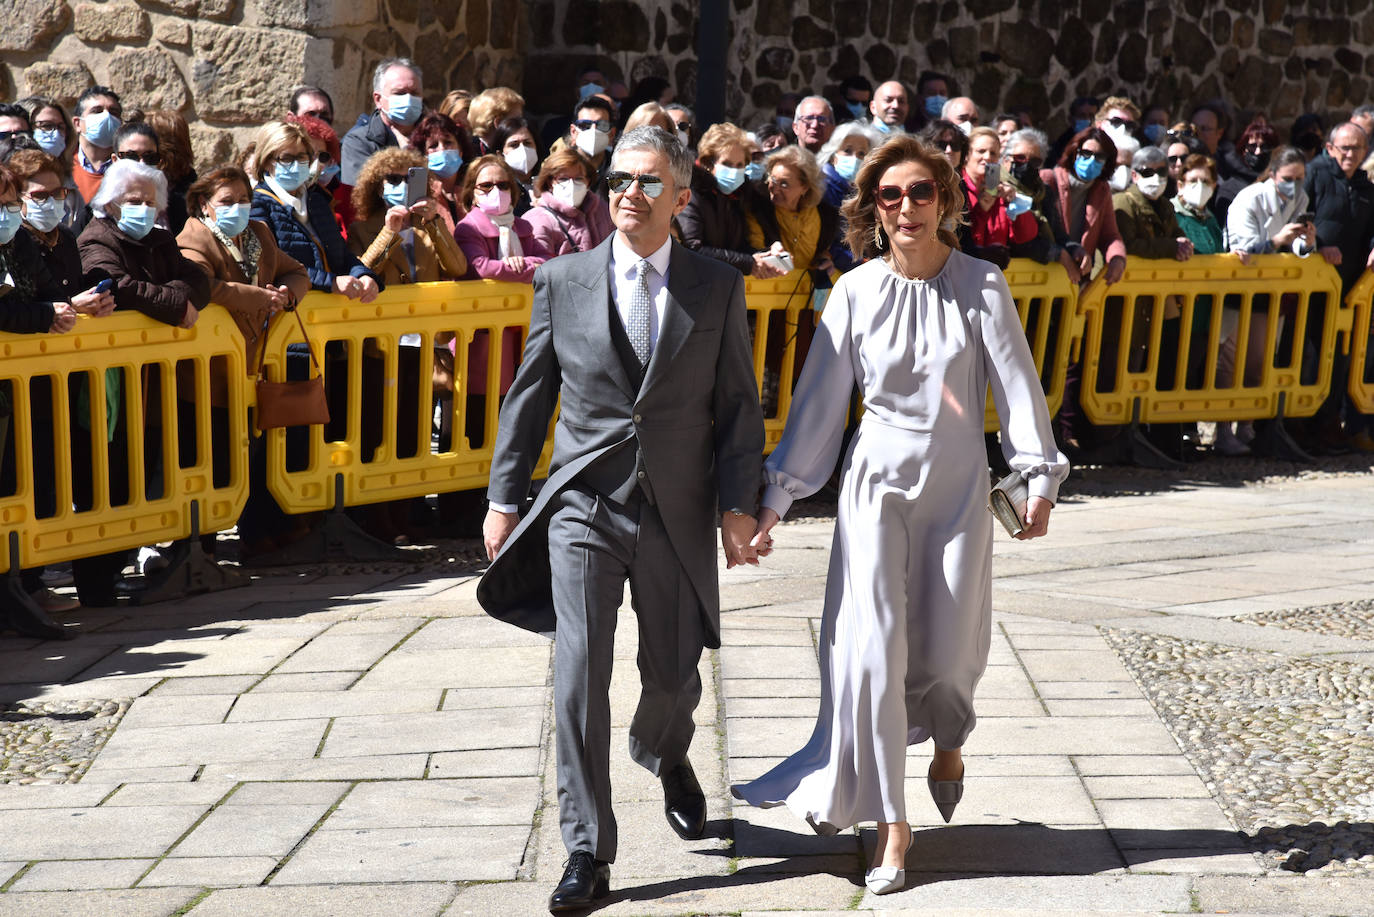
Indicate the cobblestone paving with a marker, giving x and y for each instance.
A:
(55, 741)
(1353, 619)
(1286, 744)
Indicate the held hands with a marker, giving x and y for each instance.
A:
(1037, 518)
(63, 318)
(763, 540)
(92, 303)
(496, 528)
(369, 289)
(736, 536)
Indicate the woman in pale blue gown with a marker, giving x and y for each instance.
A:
(923, 329)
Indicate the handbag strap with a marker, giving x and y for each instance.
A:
(267, 327)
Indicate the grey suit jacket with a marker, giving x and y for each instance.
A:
(696, 420)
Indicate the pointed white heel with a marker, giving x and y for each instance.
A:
(883, 880)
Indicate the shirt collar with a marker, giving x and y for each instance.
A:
(90, 166)
(624, 258)
(295, 203)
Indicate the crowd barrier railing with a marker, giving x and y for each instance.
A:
(100, 409)
(1047, 301)
(1210, 339)
(379, 362)
(780, 319)
(1359, 301)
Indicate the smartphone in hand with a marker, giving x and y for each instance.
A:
(417, 185)
(1308, 217)
(992, 177)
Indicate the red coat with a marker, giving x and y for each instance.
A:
(994, 226)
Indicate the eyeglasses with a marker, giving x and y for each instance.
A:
(586, 124)
(919, 193)
(303, 158)
(814, 119)
(12, 208)
(150, 158)
(50, 126)
(620, 182)
(1117, 121)
(485, 186)
(1357, 148)
(1149, 173)
(39, 197)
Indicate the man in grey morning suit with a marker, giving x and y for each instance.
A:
(659, 428)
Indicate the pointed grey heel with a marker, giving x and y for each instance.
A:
(946, 794)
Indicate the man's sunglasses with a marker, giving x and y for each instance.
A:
(919, 193)
(1179, 159)
(620, 182)
(586, 124)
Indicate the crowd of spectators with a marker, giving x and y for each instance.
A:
(418, 189)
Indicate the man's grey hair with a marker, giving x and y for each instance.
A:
(1331, 137)
(1364, 111)
(796, 113)
(380, 73)
(120, 177)
(843, 133)
(657, 140)
(1148, 157)
(1035, 138)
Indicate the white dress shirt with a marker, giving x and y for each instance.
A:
(623, 269)
(624, 264)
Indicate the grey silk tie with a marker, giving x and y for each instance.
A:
(640, 304)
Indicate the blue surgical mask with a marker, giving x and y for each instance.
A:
(1082, 124)
(9, 225)
(43, 217)
(727, 178)
(328, 174)
(394, 195)
(847, 166)
(444, 163)
(857, 109)
(589, 90)
(101, 128)
(53, 142)
(232, 220)
(754, 171)
(135, 220)
(935, 105)
(1018, 205)
(404, 109)
(290, 175)
(882, 125)
(1087, 168)
(1289, 189)
(1154, 133)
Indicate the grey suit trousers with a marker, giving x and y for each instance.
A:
(595, 545)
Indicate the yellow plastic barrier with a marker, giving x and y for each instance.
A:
(366, 362)
(1047, 302)
(776, 307)
(139, 351)
(1359, 301)
(1126, 372)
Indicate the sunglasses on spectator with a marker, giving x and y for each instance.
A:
(1178, 159)
(394, 178)
(151, 158)
(323, 157)
(949, 146)
(586, 124)
(482, 186)
(1258, 147)
(1099, 156)
(620, 183)
(1174, 135)
(5, 135)
(815, 119)
(684, 126)
(919, 193)
(1022, 159)
(326, 117)
(1116, 121)
(1149, 172)
(39, 197)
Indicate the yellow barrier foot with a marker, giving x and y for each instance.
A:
(190, 571)
(1273, 440)
(20, 614)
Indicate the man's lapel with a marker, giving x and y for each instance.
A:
(686, 296)
(591, 292)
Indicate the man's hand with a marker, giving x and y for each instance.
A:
(1037, 518)
(762, 541)
(1332, 254)
(369, 289)
(736, 533)
(63, 318)
(496, 528)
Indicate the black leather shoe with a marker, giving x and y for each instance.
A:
(584, 881)
(683, 802)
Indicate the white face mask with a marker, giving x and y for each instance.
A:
(592, 141)
(1151, 187)
(683, 137)
(570, 191)
(1196, 195)
(522, 158)
(1121, 178)
(966, 127)
(1120, 136)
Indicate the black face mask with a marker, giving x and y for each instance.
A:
(1308, 142)
(1027, 174)
(1256, 162)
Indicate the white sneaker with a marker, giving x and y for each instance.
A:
(150, 559)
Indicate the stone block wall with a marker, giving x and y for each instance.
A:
(229, 65)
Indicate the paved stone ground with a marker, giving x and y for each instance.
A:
(359, 743)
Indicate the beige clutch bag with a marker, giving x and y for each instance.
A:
(1007, 501)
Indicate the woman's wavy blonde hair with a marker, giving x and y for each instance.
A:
(804, 164)
(367, 193)
(860, 210)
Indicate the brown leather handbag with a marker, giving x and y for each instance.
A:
(292, 403)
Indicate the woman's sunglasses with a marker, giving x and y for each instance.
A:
(919, 193)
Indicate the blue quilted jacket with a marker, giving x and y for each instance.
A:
(319, 246)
